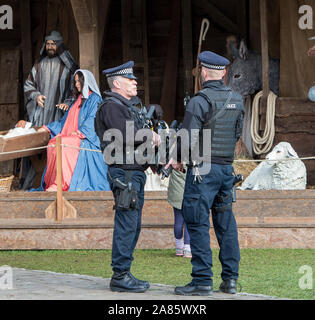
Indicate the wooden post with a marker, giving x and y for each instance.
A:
(145, 53)
(264, 60)
(26, 42)
(59, 179)
(103, 9)
(61, 208)
(134, 42)
(187, 46)
(264, 47)
(168, 96)
(86, 17)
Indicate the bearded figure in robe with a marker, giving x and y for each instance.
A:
(49, 82)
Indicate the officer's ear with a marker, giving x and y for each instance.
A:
(116, 84)
(203, 73)
(224, 73)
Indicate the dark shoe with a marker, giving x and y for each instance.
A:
(141, 282)
(194, 290)
(228, 286)
(125, 282)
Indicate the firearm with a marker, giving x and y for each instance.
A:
(148, 117)
(165, 173)
(169, 149)
(125, 195)
(154, 122)
(237, 178)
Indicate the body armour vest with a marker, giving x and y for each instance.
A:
(226, 120)
(135, 111)
(136, 116)
(100, 128)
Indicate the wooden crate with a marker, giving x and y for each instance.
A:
(33, 140)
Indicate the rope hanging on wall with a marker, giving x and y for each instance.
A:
(262, 144)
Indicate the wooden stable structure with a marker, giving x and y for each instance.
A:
(162, 38)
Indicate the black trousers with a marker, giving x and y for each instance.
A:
(127, 224)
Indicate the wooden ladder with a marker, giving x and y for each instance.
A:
(134, 43)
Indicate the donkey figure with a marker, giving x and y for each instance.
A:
(245, 74)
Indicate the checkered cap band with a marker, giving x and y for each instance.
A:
(120, 72)
(212, 66)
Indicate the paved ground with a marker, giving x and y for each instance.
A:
(45, 285)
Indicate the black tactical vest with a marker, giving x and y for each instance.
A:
(226, 120)
(135, 113)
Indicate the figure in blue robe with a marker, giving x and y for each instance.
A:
(90, 171)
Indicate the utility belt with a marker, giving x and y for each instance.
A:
(125, 196)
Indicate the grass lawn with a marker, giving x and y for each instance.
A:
(273, 272)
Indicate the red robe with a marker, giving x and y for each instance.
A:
(69, 155)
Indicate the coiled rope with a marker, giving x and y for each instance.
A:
(262, 144)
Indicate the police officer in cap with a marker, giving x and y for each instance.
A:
(221, 110)
(127, 180)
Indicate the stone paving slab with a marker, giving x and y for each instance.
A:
(46, 285)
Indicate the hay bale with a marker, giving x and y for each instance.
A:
(244, 168)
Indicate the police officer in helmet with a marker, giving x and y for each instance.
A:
(220, 110)
(127, 179)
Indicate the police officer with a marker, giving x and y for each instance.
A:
(221, 110)
(118, 107)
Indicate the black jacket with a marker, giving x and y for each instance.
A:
(113, 113)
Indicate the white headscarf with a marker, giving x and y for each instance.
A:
(89, 83)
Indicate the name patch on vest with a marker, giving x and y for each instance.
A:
(231, 106)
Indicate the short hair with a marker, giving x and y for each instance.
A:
(214, 74)
(111, 80)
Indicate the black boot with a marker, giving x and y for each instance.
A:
(194, 290)
(228, 286)
(125, 282)
(141, 282)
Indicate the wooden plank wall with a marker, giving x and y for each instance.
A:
(159, 24)
(9, 97)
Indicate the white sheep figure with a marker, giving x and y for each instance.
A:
(278, 175)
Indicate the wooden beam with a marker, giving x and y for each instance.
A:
(220, 18)
(86, 17)
(9, 76)
(134, 42)
(145, 53)
(59, 179)
(168, 96)
(242, 18)
(82, 14)
(26, 41)
(125, 28)
(187, 46)
(264, 47)
(61, 208)
(103, 9)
